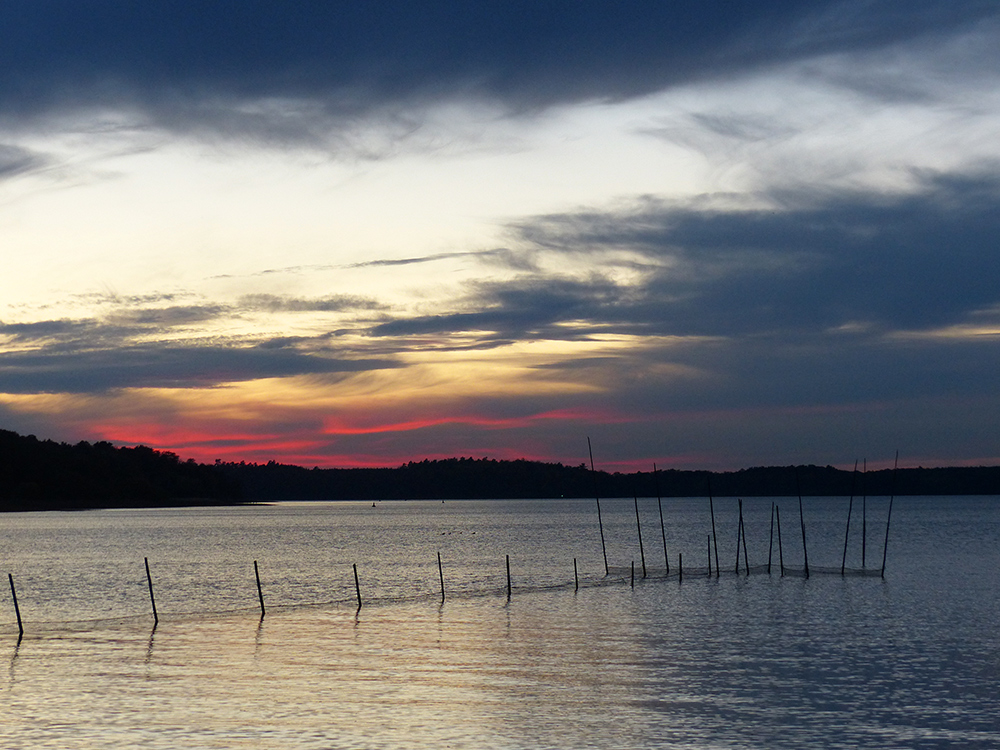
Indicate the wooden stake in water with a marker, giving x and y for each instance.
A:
(357, 585)
(663, 531)
(508, 578)
(885, 547)
(680, 567)
(739, 536)
(850, 507)
(743, 534)
(802, 523)
(864, 513)
(597, 497)
(633, 574)
(152, 599)
(708, 540)
(781, 555)
(715, 539)
(576, 577)
(770, 541)
(638, 527)
(260, 592)
(17, 609)
(441, 576)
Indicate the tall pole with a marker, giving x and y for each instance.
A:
(597, 497)
(770, 541)
(746, 559)
(508, 578)
(781, 555)
(638, 526)
(802, 523)
(739, 535)
(441, 576)
(864, 513)
(850, 507)
(885, 547)
(715, 539)
(663, 531)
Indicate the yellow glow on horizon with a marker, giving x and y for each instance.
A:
(431, 387)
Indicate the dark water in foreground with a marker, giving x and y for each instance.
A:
(759, 661)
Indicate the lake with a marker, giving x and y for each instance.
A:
(573, 659)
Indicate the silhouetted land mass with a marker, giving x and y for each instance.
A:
(458, 478)
(45, 475)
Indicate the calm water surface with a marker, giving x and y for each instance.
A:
(738, 661)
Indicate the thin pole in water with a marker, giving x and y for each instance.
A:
(739, 536)
(597, 497)
(708, 540)
(508, 578)
(802, 523)
(152, 599)
(260, 593)
(770, 541)
(663, 531)
(357, 585)
(17, 609)
(885, 547)
(715, 539)
(441, 576)
(680, 567)
(633, 574)
(850, 507)
(781, 555)
(746, 560)
(638, 528)
(864, 513)
(576, 577)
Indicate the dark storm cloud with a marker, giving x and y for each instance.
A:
(161, 366)
(191, 60)
(821, 262)
(522, 309)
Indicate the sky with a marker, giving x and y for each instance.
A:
(704, 235)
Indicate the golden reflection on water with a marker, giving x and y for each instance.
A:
(754, 661)
(474, 673)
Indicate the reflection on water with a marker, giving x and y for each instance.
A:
(734, 662)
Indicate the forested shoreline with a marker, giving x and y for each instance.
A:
(46, 475)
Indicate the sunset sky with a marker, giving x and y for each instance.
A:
(703, 234)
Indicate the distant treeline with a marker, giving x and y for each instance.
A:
(42, 474)
(457, 478)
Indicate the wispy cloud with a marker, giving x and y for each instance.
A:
(162, 366)
(15, 160)
(198, 68)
